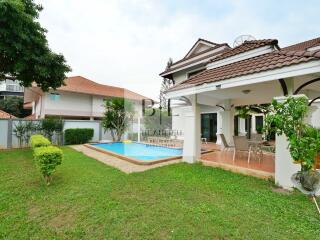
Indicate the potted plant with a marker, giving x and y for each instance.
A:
(288, 118)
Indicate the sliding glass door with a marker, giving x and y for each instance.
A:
(209, 126)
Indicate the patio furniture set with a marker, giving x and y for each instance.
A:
(256, 145)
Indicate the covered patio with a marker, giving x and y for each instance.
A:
(254, 88)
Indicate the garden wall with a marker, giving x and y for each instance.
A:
(8, 138)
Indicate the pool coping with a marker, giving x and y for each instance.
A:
(132, 160)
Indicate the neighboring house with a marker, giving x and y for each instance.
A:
(6, 115)
(213, 79)
(10, 88)
(79, 99)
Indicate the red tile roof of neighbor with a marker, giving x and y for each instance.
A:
(80, 84)
(264, 62)
(6, 115)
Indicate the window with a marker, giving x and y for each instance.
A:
(54, 96)
(190, 74)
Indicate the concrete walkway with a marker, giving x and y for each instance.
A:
(115, 162)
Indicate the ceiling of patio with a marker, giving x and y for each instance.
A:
(262, 92)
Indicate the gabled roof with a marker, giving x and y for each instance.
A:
(264, 62)
(200, 41)
(303, 45)
(79, 84)
(188, 59)
(6, 115)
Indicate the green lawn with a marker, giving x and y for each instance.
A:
(90, 200)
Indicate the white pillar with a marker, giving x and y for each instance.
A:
(253, 124)
(242, 126)
(191, 143)
(284, 166)
(227, 125)
(219, 126)
(225, 122)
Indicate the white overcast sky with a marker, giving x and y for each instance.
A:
(128, 42)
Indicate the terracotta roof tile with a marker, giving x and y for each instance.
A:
(268, 61)
(303, 45)
(225, 53)
(246, 46)
(6, 115)
(80, 84)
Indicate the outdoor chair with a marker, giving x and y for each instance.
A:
(241, 144)
(256, 142)
(225, 145)
(256, 137)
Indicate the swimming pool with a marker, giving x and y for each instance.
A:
(139, 152)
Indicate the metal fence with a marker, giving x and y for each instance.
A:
(8, 138)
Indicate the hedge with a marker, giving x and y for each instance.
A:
(47, 159)
(38, 140)
(78, 135)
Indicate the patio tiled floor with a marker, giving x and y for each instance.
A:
(220, 158)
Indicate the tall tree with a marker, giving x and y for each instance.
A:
(165, 85)
(117, 115)
(24, 51)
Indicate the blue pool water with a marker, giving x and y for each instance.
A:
(140, 151)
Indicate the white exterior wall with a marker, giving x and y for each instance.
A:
(72, 104)
(2, 86)
(97, 106)
(180, 76)
(178, 121)
(183, 74)
(314, 119)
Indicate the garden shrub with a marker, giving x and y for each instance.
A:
(78, 135)
(51, 125)
(38, 140)
(47, 159)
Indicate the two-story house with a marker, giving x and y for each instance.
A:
(79, 99)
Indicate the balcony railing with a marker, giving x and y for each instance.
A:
(14, 88)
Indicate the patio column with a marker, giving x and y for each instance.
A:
(242, 127)
(226, 121)
(191, 143)
(219, 126)
(253, 124)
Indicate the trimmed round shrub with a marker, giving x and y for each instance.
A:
(47, 159)
(78, 135)
(38, 140)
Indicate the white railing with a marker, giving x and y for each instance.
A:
(14, 88)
